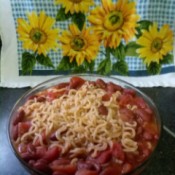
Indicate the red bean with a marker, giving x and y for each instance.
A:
(126, 115)
(61, 161)
(97, 167)
(125, 100)
(32, 97)
(53, 137)
(149, 110)
(51, 95)
(111, 87)
(40, 151)
(19, 117)
(150, 131)
(148, 136)
(118, 152)
(31, 148)
(127, 167)
(129, 92)
(41, 99)
(111, 170)
(44, 137)
(91, 165)
(139, 133)
(102, 110)
(14, 132)
(104, 156)
(143, 150)
(23, 127)
(27, 156)
(52, 154)
(140, 121)
(106, 97)
(76, 82)
(41, 165)
(85, 165)
(146, 152)
(130, 157)
(54, 95)
(28, 152)
(58, 173)
(22, 148)
(140, 113)
(62, 85)
(31, 162)
(68, 169)
(86, 172)
(140, 102)
(156, 136)
(101, 84)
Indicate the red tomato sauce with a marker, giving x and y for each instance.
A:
(50, 161)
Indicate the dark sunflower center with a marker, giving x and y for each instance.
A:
(77, 43)
(156, 45)
(38, 36)
(113, 20)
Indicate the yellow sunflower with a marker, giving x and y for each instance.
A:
(75, 6)
(37, 34)
(79, 45)
(155, 44)
(112, 22)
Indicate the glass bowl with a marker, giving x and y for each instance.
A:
(141, 102)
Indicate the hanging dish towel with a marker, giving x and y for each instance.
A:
(131, 40)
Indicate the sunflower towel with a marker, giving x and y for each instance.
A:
(129, 39)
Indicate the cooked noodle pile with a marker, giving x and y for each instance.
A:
(77, 124)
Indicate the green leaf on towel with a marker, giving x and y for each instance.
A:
(28, 62)
(44, 60)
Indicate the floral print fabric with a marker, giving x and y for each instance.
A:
(105, 37)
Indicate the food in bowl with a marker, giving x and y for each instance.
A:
(84, 127)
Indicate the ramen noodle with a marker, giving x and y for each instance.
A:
(85, 127)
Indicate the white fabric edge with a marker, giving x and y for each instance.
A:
(167, 80)
(10, 78)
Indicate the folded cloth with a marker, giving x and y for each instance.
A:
(14, 13)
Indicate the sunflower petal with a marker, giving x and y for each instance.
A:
(49, 22)
(42, 19)
(79, 59)
(153, 30)
(74, 29)
(107, 5)
(23, 26)
(95, 20)
(33, 19)
(143, 41)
